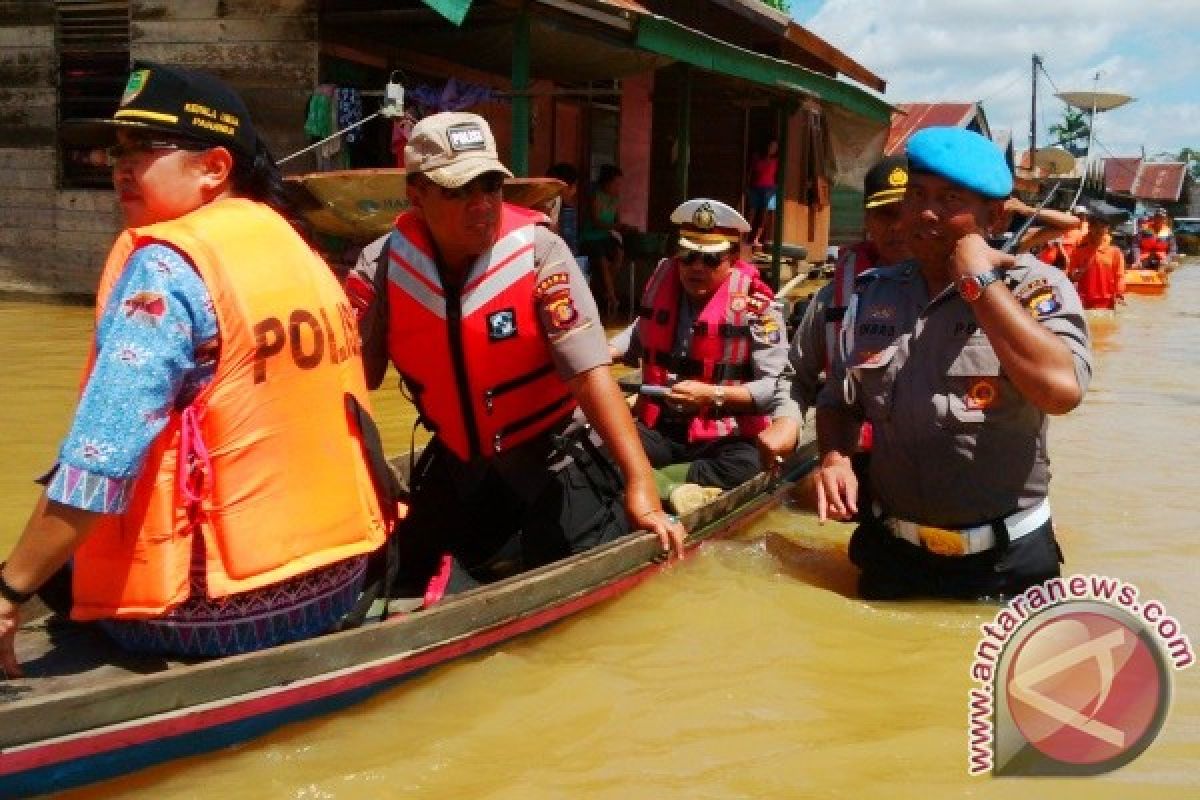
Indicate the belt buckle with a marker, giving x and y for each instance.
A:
(941, 541)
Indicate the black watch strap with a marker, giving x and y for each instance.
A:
(10, 594)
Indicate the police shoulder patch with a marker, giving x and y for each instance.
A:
(757, 303)
(1039, 297)
(765, 329)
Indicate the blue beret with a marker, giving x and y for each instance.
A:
(962, 157)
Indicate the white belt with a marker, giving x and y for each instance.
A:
(967, 541)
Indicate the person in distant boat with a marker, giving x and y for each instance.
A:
(1155, 243)
(885, 243)
(712, 349)
(1098, 268)
(1058, 251)
(955, 358)
(498, 340)
(214, 490)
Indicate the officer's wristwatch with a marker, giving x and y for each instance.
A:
(972, 286)
(719, 397)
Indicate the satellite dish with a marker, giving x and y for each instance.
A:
(1099, 100)
(1054, 160)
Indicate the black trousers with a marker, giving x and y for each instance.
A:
(893, 568)
(495, 522)
(726, 462)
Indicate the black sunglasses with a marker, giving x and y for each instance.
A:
(136, 147)
(488, 183)
(710, 260)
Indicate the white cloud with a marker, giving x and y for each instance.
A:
(980, 50)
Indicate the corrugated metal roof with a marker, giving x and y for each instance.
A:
(917, 116)
(1120, 173)
(1160, 181)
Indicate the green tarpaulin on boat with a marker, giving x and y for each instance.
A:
(453, 10)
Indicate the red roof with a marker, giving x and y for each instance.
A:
(1160, 181)
(925, 115)
(1120, 173)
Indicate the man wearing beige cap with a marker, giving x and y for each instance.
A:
(712, 349)
(497, 338)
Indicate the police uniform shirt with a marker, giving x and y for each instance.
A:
(955, 444)
(807, 353)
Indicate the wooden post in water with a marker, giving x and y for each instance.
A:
(520, 99)
(683, 153)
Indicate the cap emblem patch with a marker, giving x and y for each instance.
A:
(898, 177)
(466, 137)
(705, 218)
(137, 82)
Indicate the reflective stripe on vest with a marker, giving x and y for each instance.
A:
(719, 352)
(288, 489)
(476, 361)
(852, 262)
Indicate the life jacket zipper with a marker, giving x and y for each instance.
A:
(515, 383)
(454, 333)
(528, 420)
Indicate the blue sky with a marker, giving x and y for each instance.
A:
(963, 50)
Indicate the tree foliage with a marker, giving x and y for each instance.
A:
(1072, 132)
(781, 5)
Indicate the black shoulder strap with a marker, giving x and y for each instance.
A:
(373, 329)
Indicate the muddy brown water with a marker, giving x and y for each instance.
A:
(744, 672)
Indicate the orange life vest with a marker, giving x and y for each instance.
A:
(1100, 272)
(476, 360)
(719, 352)
(268, 452)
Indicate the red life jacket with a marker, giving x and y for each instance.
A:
(476, 361)
(852, 262)
(1152, 242)
(719, 352)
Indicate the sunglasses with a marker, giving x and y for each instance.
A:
(710, 260)
(488, 183)
(137, 147)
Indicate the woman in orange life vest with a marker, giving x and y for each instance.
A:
(1155, 243)
(1098, 268)
(712, 349)
(496, 336)
(213, 491)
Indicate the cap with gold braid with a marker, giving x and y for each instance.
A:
(178, 101)
(885, 182)
(708, 226)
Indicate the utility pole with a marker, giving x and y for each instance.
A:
(1033, 71)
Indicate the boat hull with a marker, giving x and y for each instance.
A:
(74, 736)
(1145, 282)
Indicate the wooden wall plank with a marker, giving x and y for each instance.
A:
(26, 12)
(27, 158)
(27, 36)
(278, 29)
(224, 9)
(27, 67)
(244, 65)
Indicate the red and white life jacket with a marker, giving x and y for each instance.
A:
(476, 361)
(719, 352)
(852, 262)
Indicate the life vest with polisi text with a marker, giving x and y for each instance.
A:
(476, 361)
(719, 351)
(267, 462)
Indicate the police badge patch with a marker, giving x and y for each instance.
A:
(765, 330)
(502, 324)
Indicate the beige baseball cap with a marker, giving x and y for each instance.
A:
(452, 148)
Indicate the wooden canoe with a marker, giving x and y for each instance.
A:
(361, 204)
(87, 711)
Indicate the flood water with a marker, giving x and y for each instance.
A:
(737, 674)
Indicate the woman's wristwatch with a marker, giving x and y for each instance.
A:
(719, 397)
